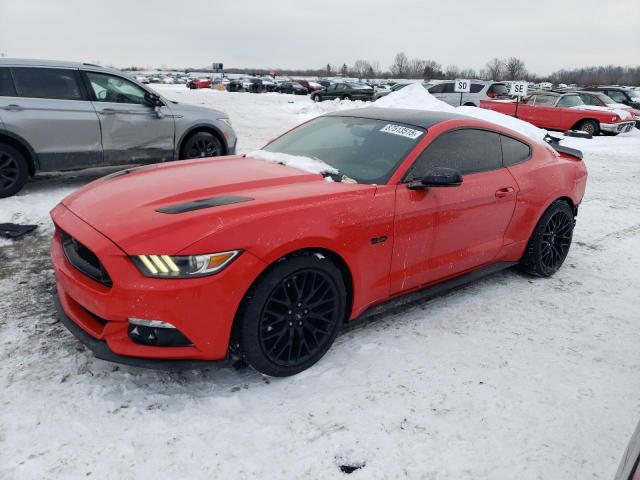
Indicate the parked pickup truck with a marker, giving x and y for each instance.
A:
(564, 111)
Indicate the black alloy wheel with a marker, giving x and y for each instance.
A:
(551, 240)
(13, 171)
(292, 316)
(298, 316)
(201, 145)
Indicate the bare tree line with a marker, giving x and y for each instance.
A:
(511, 68)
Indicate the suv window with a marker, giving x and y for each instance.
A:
(7, 89)
(110, 88)
(447, 87)
(617, 96)
(476, 87)
(513, 151)
(467, 150)
(53, 83)
(436, 88)
(498, 89)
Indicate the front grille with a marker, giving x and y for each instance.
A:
(84, 260)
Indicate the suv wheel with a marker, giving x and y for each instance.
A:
(13, 170)
(201, 145)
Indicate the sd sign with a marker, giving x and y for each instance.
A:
(461, 86)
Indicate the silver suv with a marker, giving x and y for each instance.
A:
(62, 116)
(480, 90)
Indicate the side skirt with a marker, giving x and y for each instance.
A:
(432, 291)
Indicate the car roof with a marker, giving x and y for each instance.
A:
(418, 118)
(30, 62)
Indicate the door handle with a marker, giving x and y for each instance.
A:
(13, 108)
(504, 192)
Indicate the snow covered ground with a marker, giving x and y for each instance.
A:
(509, 377)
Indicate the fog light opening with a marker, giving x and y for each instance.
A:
(156, 333)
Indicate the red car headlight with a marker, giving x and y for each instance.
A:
(191, 266)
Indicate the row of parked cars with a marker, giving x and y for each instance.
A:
(63, 116)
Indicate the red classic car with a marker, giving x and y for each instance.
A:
(261, 258)
(195, 83)
(564, 111)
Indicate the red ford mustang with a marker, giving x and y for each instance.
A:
(258, 259)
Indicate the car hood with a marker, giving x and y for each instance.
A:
(206, 112)
(147, 210)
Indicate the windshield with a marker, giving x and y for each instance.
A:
(607, 100)
(365, 150)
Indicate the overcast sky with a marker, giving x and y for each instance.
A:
(547, 35)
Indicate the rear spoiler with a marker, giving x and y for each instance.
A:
(554, 142)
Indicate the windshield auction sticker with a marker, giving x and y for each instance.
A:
(402, 131)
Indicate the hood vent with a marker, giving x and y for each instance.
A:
(204, 203)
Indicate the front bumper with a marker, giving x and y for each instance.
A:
(102, 351)
(202, 309)
(621, 127)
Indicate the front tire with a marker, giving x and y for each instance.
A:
(201, 145)
(291, 317)
(14, 170)
(550, 242)
(590, 126)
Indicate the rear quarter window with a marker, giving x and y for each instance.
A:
(476, 87)
(514, 151)
(7, 89)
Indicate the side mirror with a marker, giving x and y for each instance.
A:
(438, 177)
(153, 99)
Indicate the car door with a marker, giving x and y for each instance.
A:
(132, 130)
(49, 108)
(442, 232)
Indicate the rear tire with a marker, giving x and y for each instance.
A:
(201, 145)
(550, 242)
(14, 170)
(316, 98)
(291, 316)
(590, 126)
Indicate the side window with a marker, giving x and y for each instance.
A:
(447, 87)
(514, 151)
(569, 101)
(436, 88)
(467, 150)
(476, 87)
(7, 89)
(340, 86)
(109, 88)
(617, 96)
(52, 83)
(589, 99)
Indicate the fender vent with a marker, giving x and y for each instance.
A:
(204, 203)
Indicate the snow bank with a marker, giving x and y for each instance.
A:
(307, 164)
(413, 96)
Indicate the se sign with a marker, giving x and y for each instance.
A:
(518, 89)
